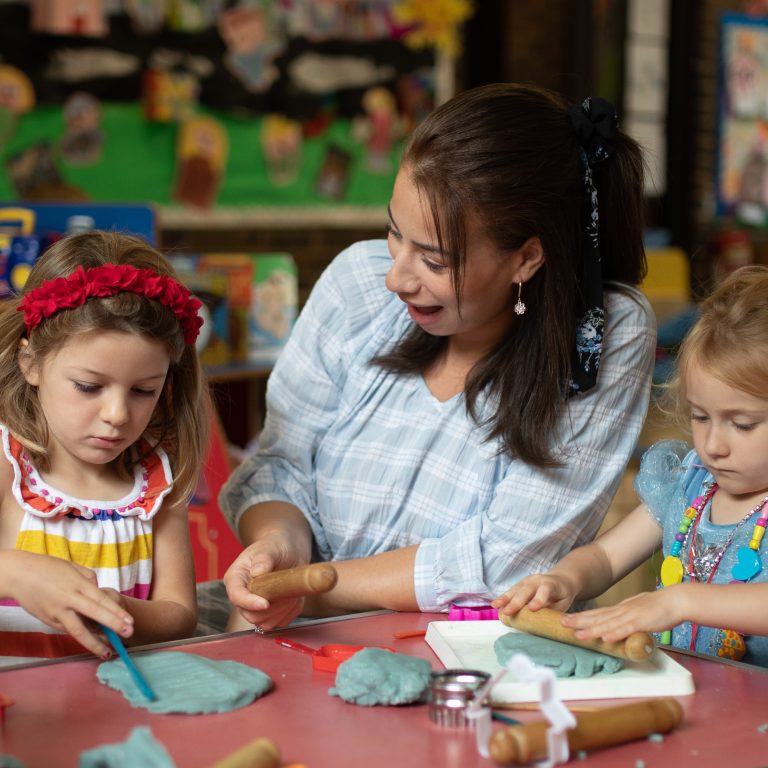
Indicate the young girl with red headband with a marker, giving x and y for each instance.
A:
(707, 507)
(102, 422)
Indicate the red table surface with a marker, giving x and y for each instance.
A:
(61, 709)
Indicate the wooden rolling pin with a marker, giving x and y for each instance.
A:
(261, 753)
(546, 623)
(294, 582)
(522, 744)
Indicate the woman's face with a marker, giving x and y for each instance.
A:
(421, 277)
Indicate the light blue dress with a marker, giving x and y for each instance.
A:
(375, 462)
(670, 478)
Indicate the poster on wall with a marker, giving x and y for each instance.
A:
(211, 104)
(742, 145)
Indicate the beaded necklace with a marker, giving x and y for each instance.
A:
(748, 562)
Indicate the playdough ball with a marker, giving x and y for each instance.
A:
(186, 683)
(375, 676)
(566, 660)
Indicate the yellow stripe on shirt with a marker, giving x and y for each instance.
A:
(99, 555)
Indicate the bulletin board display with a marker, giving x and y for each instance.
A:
(742, 143)
(212, 104)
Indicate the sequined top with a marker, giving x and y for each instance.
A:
(671, 477)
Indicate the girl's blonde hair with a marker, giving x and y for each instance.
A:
(179, 422)
(730, 338)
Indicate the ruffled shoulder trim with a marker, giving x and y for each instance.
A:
(659, 481)
(151, 484)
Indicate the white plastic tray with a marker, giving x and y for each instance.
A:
(469, 645)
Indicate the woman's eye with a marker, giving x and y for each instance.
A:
(145, 392)
(82, 387)
(744, 427)
(433, 266)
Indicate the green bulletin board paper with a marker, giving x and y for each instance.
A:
(138, 161)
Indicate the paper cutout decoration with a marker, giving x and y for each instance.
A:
(281, 141)
(17, 96)
(69, 17)
(252, 46)
(169, 97)
(83, 140)
(202, 155)
(334, 173)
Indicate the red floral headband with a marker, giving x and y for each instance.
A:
(83, 284)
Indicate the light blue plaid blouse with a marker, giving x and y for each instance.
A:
(375, 462)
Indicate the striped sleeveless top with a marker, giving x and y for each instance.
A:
(112, 538)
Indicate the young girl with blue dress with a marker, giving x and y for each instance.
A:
(706, 507)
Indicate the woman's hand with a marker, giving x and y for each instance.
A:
(646, 612)
(65, 596)
(269, 553)
(542, 590)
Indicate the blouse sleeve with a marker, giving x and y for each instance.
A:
(304, 388)
(537, 515)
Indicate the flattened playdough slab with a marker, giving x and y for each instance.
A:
(566, 660)
(186, 683)
(375, 676)
(139, 750)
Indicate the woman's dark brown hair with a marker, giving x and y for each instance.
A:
(507, 155)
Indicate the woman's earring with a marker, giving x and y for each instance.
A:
(519, 306)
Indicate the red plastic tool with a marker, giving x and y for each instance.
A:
(326, 658)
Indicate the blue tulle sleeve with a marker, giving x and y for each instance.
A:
(659, 483)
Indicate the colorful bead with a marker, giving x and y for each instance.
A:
(671, 570)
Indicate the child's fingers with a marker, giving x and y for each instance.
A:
(91, 641)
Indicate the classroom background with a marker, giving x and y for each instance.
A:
(254, 140)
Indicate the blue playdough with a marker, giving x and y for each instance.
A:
(375, 676)
(566, 660)
(139, 750)
(187, 683)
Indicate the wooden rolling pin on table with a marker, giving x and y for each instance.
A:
(294, 582)
(522, 744)
(546, 623)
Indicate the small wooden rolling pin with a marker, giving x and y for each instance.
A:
(521, 744)
(261, 753)
(294, 582)
(546, 623)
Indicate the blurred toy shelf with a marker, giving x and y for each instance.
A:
(268, 217)
(246, 371)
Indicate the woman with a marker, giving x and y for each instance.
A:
(456, 405)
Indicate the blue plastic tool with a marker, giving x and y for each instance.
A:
(138, 678)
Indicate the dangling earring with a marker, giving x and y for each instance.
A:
(519, 306)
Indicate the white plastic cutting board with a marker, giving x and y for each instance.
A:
(469, 645)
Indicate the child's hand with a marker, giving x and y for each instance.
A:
(64, 596)
(646, 612)
(264, 556)
(542, 590)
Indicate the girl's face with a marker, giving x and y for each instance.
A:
(730, 433)
(98, 393)
(421, 277)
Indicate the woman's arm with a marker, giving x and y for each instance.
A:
(367, 583)
(279, 537)
(170, 613)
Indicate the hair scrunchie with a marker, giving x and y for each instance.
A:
(595, 123)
